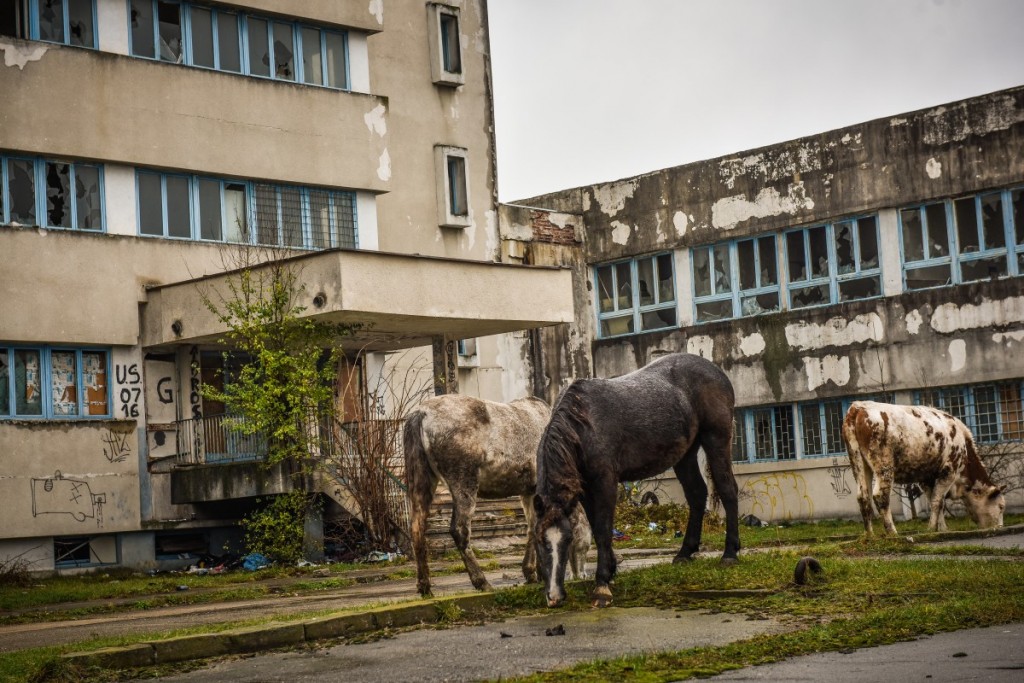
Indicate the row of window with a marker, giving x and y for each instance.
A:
(948, 242)
(972, 238)
(69, 22)
(54, 194)
(185, 33)
(197, 35)
(199, 208)
(993, 412)
(51, 382)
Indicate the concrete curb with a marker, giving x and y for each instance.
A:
(276, 634)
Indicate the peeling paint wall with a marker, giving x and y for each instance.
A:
(940, 152)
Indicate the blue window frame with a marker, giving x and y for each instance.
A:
(832, 263)
(993, 412)
(51, 193)
(224, 40)
(791, 431)
(220, 210)
(67, 22)
(54, 382)
(967, 239)
(636, 295)
(734, 279)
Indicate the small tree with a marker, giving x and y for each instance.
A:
(283, 393)
(369, 463)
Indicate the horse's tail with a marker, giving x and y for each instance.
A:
(421, 492)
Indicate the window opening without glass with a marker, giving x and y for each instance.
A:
(68, 22)
(50, 193)
(735, 279)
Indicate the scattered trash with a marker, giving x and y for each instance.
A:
(254, 562)
(305, 563)
(619, 536)
(505, 634)
(379, 556)
(679, 534)
(555, 631)
(753, 520)
(182, 587)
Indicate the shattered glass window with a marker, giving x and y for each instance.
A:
(284, 52)
(89, 213)
(21, 188)
(58, 195)
(51, 20)
(80, 23)
(654, 306)
(169, 32)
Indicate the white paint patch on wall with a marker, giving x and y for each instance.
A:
(829, 368)
(493, 240)
(752, 344)
(620, 233)
(914, 321)
(612, 197)
(730, 211)
(680, 222)
(957, 355)
(659, 234)
(384, 167)
(376, 8)
(835, 332)
(950, 317)
(933, 168)
(1008, 337)
(376, 120)
(20, 55)
(771, 167)
(701, 345)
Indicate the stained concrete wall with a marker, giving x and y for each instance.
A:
(964, 334)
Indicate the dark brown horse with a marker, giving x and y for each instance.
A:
(603, 432)
(479, 448)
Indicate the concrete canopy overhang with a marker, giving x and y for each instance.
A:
(399, 300)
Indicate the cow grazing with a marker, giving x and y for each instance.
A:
(915, 444)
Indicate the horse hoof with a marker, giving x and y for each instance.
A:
(728, 561)
(681, 559)
(483, 587)
(601, 597)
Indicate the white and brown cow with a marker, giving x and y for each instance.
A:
(890, 444)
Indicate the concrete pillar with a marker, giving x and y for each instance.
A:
(446, 365)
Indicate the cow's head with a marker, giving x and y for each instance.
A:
(553, 535)
(985, 504)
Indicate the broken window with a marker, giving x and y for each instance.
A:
(14, 19)
(284, 51)
(69, 22)
(259, 47)
(653, 307)
(143, 28)
(61, 208)
(71, 552)
(169, 48)
(21, 192)
(23, 373)
(735, 279)
(807, 255)
(981, 237)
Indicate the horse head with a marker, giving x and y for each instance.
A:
(553, 537)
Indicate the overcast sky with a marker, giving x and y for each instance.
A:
(588, 91)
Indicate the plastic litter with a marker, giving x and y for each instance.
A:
(254, 561)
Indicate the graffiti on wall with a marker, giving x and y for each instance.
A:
(58, 495)
(129, 379)
(838, 475)
(116, 444)
(781, 495)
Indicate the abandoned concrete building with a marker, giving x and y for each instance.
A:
(141, 143)
(885, 259)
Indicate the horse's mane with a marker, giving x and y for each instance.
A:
(559, 480)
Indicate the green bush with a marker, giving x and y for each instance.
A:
(277, 530)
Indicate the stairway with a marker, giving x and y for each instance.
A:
(492, 519)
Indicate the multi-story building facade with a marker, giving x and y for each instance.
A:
(880, 260)
(146, 146)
